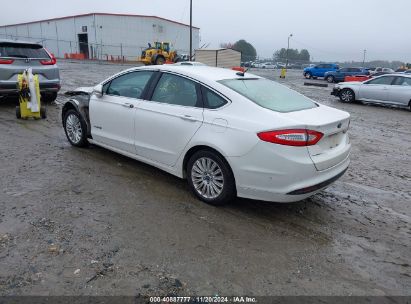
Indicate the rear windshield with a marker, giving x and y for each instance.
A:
(269, 94)
(22, 51)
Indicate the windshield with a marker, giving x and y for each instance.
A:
(22, 51)
(269, 94)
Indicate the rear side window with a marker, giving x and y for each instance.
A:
(403, 81)
(176, 90)
(269, 94)
(23, 51)
(129, 85)
(212, 100)
(387, 80)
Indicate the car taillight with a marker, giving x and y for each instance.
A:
(52, 60)
(293, 137)
(6, 61)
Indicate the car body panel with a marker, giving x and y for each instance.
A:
(162, 135)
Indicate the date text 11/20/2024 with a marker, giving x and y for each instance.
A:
(213, 299)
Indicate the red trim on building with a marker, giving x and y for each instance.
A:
(101, 14)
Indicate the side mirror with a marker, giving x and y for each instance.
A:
(98, 90)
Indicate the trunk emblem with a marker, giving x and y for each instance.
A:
(27, 60)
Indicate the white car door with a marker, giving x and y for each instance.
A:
(400, 91)
(376, 89)
(165, 124)
(112, 114)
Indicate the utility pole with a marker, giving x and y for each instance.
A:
(191, 30)
(288, 48)
(363, 61)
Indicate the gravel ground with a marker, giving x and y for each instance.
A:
(91, 222)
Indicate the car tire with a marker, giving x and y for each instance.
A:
(18, 112)
(347, 95)
(49, 97)
(210, 178)
(308, 75)
(43, 112)
(75, 128)
(330, 79)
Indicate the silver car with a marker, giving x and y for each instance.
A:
(16, 56)
(392, 89)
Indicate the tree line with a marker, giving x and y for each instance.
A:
(293, 55)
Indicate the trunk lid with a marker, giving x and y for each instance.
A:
(334, 146)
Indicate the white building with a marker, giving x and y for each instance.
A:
(102, 35)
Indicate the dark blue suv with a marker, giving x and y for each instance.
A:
(339, 75)
(320, 70)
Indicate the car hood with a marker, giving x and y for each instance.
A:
(80, 91)
(351, 83)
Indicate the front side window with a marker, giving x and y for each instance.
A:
(344, 70)
(269, 94)
(129, 85)
(385, 80)
(176, 90)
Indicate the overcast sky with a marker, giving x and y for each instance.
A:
(330, 30)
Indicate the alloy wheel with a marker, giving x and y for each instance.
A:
(73, 128)
(207, 178)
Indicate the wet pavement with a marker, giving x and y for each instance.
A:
(92, 222)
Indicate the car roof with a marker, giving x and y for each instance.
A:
(206, 73)
(19, 42)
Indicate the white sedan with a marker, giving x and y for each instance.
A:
(228, 133)
(394, 89)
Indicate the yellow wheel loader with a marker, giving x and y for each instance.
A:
(159, 54)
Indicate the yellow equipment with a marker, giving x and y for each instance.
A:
(283, 73)
(159, 54)
(27, 107)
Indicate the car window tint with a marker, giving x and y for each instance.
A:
(387, 80)
(176, 90)
(270, 94)
(22, 51)
(212, 100)
(129, 85)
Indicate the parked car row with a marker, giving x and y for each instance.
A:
(332, 73)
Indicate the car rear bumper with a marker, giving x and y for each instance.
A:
(10, 87)
(284, 174)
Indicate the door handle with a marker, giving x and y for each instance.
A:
(128, 105)
(188, 117)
